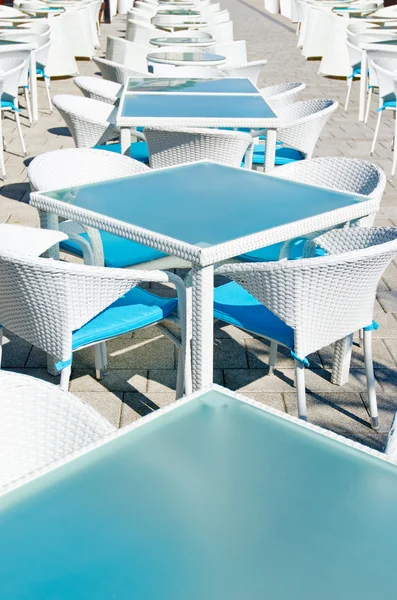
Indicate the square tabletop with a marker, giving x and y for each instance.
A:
(205, 211)
(184, 104)
(215, 498)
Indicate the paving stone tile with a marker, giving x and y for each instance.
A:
(108, 404)
(117, 380)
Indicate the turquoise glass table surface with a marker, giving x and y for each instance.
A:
(215, 499)
(204, 204)
(192, 86)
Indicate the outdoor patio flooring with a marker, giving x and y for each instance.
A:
(143, 366)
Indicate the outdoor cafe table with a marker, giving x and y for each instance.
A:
(203, 213)
(182, 59)
(215, 497)
(226, 102)
(184, 41)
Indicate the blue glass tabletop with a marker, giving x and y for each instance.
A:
(214, 500)
(195, 86)
(204, 203)
(190, 105)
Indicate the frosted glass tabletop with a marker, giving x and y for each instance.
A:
(192, 86)
(185, 41)
(213, 500)
(186, 56)
(196, 106)
(204, 204)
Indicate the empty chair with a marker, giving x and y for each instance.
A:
(118, 72)
(41, 425)
(10, 74)
(329, 297)
(251, 70)
(302, 125)
(140, 33)
(77, 166)
(282, 94)
(174, 146)
(221, 32)
(85, 305)
(337, 173)
(130, 54)
(98, 88)
(234, 52)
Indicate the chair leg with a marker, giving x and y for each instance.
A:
(18, 122)
(342, 360)
(349, 89)
(394, 147)
(2, 165)
(369, 371)
(376, 132)
(100, 360)
(300, 389)
(179, 374)
(104, 359)
(65, 378)
(272, 357)
(368, 106)
(47, 87)
(28, 107)
(1, 345)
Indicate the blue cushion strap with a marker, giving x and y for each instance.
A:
(373, 327)
(9, 104)
(304, 361)
(60, 365)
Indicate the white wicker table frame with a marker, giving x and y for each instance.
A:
(202, 259)
(126, 123)
(32, 46)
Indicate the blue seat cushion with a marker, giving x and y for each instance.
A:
(136, 309)
(234, 305)
(118, 251)
(284, 155)
(271, 253)
(138, 151)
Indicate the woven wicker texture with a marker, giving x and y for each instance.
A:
(40, 424)
(173, 146)
(282, 94)
(327, 298)
(90, 122)
(77, 166)
(28, 240)
(98, 89)
(116, 72)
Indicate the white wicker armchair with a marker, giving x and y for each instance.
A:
(174, 146)
(117, 72)
(251, 70)
(98, 88)
(41, 424)
(61, 307)
(282, 94)
(314, 302)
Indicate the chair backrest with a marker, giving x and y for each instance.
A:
(250, 70)
(77, 166)
(355, 54)
(303, 122)
(44, 301)
(282, 94)
(130, 54)
(42, 53)
(26, 36)
(117, 72)
(98, 88)
(140, 33)
(221, 32)
(20, 54)
(41, 424)
(41, 28)
(10, 75)
(385, 77)
(234, 52)
(88, 120)
(328, 297)
(174, 146)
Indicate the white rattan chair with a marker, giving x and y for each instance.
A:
(129, 54)
(338, 173)
(98, 88)
(140, 33)
(10, 74)
(118, 72)
(384, 67)
(282, 94)
(61, 307)
(307, 304)
(251, 70)
(41, 424)
(174, 146)
(302, 124)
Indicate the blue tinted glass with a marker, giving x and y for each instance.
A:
(231, 107)
(204, 203)
(215, 500)
(210, 86)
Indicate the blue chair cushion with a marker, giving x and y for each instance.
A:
(271, 253)
(234, 305)
(387, 104)
(118, 251)
(284, 155)
(136, 309)
(138, 151)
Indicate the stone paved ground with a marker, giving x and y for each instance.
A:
(142, 366)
